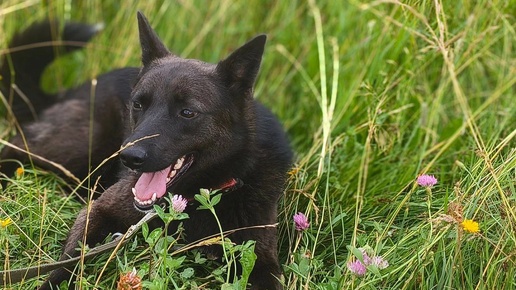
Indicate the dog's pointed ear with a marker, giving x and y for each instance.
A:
(240, 68)
(152, 47)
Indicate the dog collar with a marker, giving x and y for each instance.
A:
(228, 186)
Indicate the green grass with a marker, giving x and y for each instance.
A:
(372, 94)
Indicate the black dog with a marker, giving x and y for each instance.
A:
(189, 125)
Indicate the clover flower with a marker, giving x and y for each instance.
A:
(359, 267)
(356, 267)
(379, 262)
(129, 281)
(301, 221)
(365, 256)
(426, 180)
(179, 203)
(470, 226)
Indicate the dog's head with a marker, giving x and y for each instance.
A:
(190, 120)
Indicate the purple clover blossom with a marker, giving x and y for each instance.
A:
(359, 266)
(301, 221)
(365, 257)
(356, 267)
(426, 180)
(379, 262)
(179, 203)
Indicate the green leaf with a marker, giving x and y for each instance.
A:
(173, 263)
(199, 259)
(203, 201)
(357, 253)
(145, 230)
(187, 273)
(154, 236)
(161, 245)
(215, 199)
(227, 286)
(161, 213)
(247, 260)
(304, 266)
(375, 270)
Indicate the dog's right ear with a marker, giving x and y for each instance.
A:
(240, 68)
(152, 47)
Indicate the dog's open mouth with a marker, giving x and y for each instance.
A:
(152, 186)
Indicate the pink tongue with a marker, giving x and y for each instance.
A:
(150, 183)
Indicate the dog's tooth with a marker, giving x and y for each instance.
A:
(168, 179)
(172, 174)
(134, 191)
(154, 196)
(179, 163)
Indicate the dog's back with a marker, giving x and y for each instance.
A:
(29, 53)
(51, 127)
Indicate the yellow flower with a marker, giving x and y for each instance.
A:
(6, 222)
(19, 171)
(470, 226)
(293, 171)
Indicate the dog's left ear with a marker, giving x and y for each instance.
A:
(152, 47)
(239, 70)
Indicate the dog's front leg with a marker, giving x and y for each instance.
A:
(266, 274)
(112, 212)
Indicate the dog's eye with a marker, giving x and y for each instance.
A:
(137, 105)
(186, 113)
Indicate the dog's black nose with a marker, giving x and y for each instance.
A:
(133, 157)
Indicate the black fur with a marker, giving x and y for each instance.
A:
(31, 52)
(178, 108)
(61, 132)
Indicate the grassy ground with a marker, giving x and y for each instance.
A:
(373, 94)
